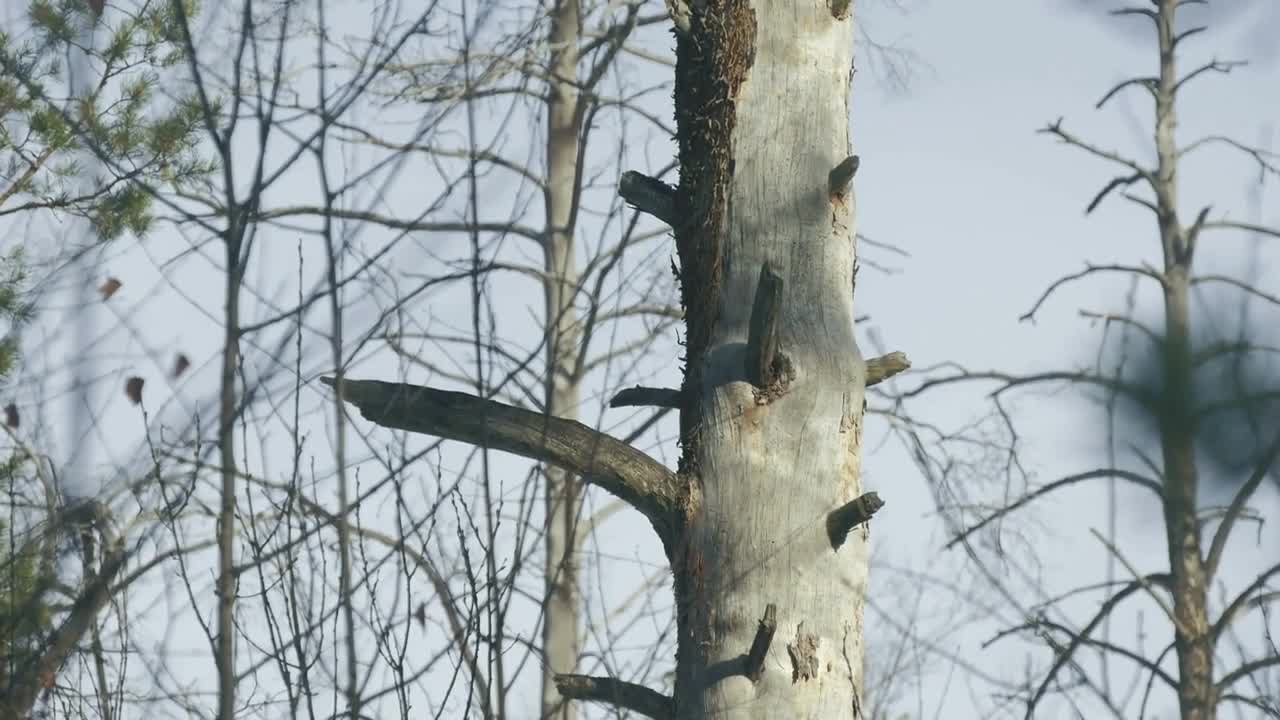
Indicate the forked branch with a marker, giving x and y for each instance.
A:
(598, 458)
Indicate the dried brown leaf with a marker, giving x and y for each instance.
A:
(109, 288)
(133, 389)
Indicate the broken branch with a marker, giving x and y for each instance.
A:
(628, 696)
(886, 366)
(760, 645)
(649, 195)
(1125, 180)
(762, 335)
(850, 515)
(1147, 83)
(841, 176)
(1265, 465)
(646, 396)
(598, 458)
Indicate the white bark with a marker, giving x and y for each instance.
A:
(561, 643)
(769, 471)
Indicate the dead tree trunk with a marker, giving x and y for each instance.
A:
(1193, 639)
(757, 522)
(772, 411)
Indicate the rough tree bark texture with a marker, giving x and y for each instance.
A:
(560, 635)
(762, 106)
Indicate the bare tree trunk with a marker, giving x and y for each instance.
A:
(227, 413)
(560, 636)
(762, 106)
(1177, 428)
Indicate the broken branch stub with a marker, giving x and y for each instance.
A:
(649, 195)
(625, 695)
(841, 176)
(760, 645)
(762, 335)
(850, 515)
(886, 366)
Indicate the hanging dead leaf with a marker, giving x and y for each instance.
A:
(133, 390)
(421, 615)
(11, 415)
(48, 680)
(180, 364)
(109, 288)
(97, 6)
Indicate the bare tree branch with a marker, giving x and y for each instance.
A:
(1132, 477)
(1246, 227)
(1219, 66)
(1055, 129)
(1237, 505)
(503, 227)
(599, 458)
(1146, 83)
(1246, 669)
(646, 396)
(1234, 607)
(1090, 269)
(625, 695)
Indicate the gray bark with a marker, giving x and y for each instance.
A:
(762, 102)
